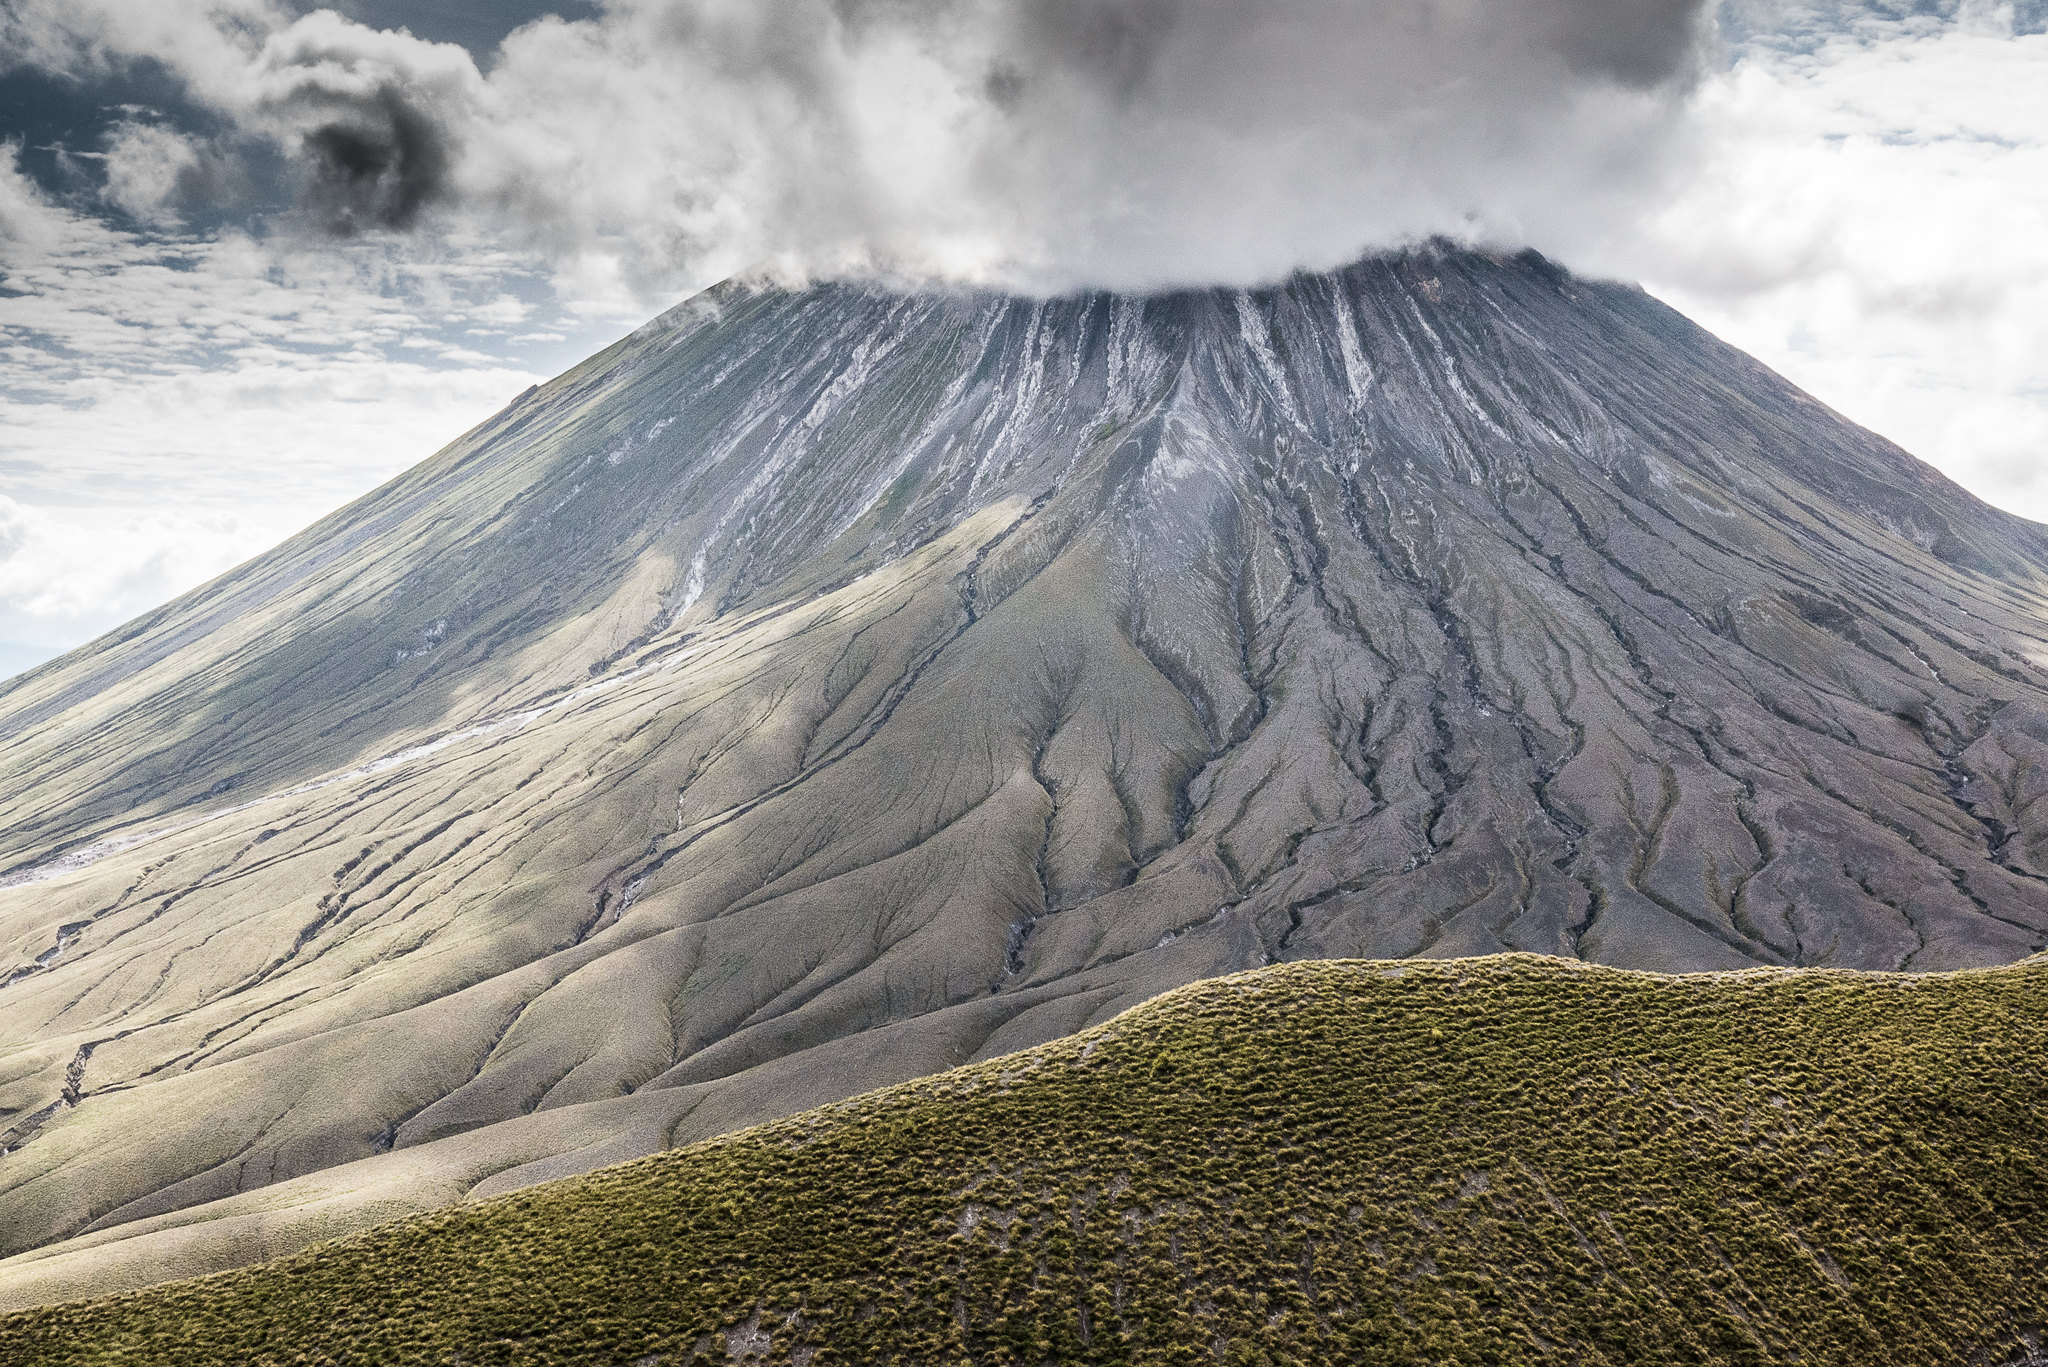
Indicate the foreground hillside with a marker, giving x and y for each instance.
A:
(1506, 1159)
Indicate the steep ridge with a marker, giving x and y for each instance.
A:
(1481, 1161)
(818, 690)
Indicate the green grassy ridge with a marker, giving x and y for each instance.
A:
(1495, 1160)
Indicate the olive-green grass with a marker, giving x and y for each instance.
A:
(1495, 1160)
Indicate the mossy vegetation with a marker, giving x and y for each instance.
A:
(1483, 1161)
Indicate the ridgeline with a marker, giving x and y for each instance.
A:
(1496, 1160)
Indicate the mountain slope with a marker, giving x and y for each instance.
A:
(1512, 1159)
(818, 690)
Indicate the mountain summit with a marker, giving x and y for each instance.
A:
(821, 689)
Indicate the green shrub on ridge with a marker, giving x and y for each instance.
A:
(1484, 1161)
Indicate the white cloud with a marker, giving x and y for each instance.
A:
(146, 165)
(189, 36)
(170, 405)
(1870, 218)
(68, 571)
(1034, 143)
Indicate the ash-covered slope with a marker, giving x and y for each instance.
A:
(821, 689)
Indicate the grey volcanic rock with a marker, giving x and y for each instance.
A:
(819, 689)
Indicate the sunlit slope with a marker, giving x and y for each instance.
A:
(819, 690)
(1496, 1160)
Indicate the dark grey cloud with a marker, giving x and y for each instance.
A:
(370, 117)
(1639, 43)
(379, 165)
(1116, 41)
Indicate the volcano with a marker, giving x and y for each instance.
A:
(823, 688)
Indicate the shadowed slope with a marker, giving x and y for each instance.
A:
(1482, 1161)
(820, 690)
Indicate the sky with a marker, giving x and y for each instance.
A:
(257, 257)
